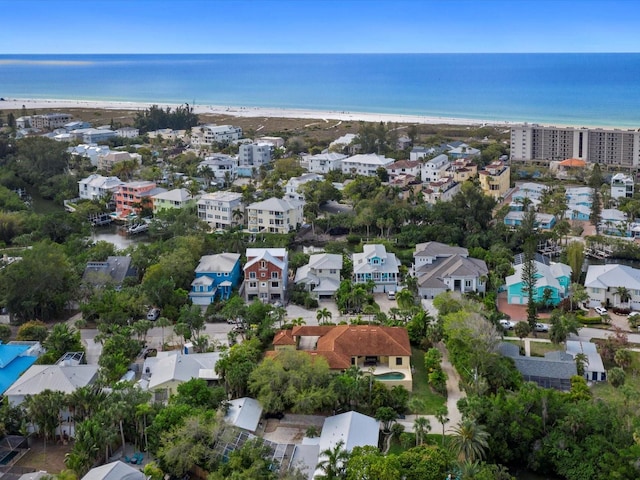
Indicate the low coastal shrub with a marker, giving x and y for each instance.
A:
(590, 320)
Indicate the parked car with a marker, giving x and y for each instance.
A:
(153, 314)
(391, 295)
(507, 324)
(601, 310)
(542, 327)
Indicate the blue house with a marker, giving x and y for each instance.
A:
(15, 359)
(554, 278)
(543, 220)
(216, 276)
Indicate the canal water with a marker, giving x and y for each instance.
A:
(117, 237)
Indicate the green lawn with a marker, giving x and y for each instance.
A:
(606, 392)
(538, 349)
(422, 399)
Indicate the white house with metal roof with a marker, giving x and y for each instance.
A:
(365, 164)
(324, 162)
(162, 374)
(352, 428)
(375, 263)
(321, 276)
(292, 187)
(244, 413)
(594, 370)
(114, 471)
(221, 209)
(602, 284)
(97, 186)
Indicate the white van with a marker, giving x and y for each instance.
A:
(391, 295)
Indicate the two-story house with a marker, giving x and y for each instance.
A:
(495, 179)
(404, 167)
(275, 215)
(365, 164)
(321, 276)
(324, 162)
(602, 284)
(216, 276)
(222, 209)
(176, 198)
(222, 167)
(378, 265)
(554, 279)
(384, 352)
(265, 274)
(292, 187)
(442, 268)
(96, 186)
(210, 134)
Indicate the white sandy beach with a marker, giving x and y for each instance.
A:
(57, 104)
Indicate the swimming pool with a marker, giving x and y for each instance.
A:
(390, 376)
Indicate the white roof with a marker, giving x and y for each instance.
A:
(370, 159)
(612, 214)
(353, 428)
(329, 156)
(59, 378)
(361, 260)
(175, 195)
(270, 255)
(176, 366)
(346, 139)
(98, 181)
(325, 261)
(114, 471)
(276, 204)
(221, 196)
(595, 363)
(221, 262)
(547, 275)
(612, 276)
(244, 413)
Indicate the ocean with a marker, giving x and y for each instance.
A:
(560, 89)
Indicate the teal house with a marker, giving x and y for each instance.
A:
(555, 278)
(216, 276)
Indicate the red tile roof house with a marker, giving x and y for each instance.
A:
(384, 352)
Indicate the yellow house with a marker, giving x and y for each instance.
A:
(495, 179)
(463, 169)
(177, 198)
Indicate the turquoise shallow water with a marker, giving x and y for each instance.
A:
(574, 89)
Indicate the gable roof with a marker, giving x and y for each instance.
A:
(175, 366)
(244, 413)
(59, 378)
(437, 249)
(175, 195)
(221, 262)
(114, 471)
(267, 254)
(557, 367)
(325, 260)
(612, 276)
(546, 275)
(277, 204)
(352, 428)
(454, 266)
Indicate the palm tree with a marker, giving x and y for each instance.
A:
(470, 439)
(323, 315)
(298, 322)
(442, 416)
(333, 462)
(405, 299)
(582, 360)
(421, 427)
(624, 293)
(237, 215)
(163, 322)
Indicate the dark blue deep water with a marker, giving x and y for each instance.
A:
(574, 89)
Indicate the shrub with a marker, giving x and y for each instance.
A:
(621, 311)
(590, 320)
(310, 303)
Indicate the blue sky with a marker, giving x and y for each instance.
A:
(318, 26)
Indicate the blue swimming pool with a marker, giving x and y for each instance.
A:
(390, 376)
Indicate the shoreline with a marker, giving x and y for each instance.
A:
(249, 112)
(274, 112)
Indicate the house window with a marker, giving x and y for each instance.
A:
(263, 284)
(253, 284)
(398, 360)
(263, 264)
(467, 283)
(252, 274)
(263, 274)
(333, 271)
(274, 274)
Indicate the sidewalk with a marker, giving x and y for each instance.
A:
(453, 395)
